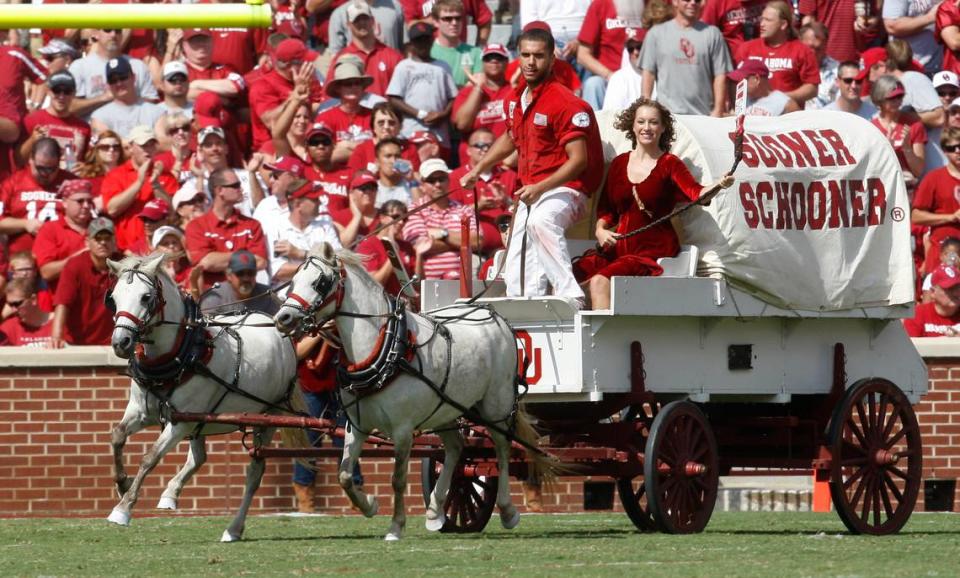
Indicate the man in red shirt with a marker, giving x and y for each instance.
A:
(495, 187)
(238, 48)
(941, 316)
(378, 59)
(601, 38)
(935, 204)
(30, 326)
(269, 92)
(947, 33)
(349, 121)
(127, 188)
(59, 240)
(56, 121)
(203, 74)
(483, 103)
(560, 165)
(332, 178)
(738, 20)
(29, 197)
(838, 16)
(80, 317)
(793, 66)
(212, 238)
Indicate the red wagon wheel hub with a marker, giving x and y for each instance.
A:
(885, 458)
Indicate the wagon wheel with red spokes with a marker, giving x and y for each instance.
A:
(632, 492)
(681, 469)
(470, 501)
(876, 458)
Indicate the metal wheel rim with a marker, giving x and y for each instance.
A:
(632, 491)
(872, 493)
(680, 503)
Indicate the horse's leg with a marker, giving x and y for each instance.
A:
(195, 458)
(134, 420)
(402, 442)
(254, 475)
(169, 438)
(509, 515)
(452, 448)
(352, 445)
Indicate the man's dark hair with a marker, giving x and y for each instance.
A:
(217, 178)
(848, 64)
(387, 141)
(383, 108)
(538, 35)
(45, 146)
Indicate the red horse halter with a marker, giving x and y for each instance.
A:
(156, 309)
(335, 296)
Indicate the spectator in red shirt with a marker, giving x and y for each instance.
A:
(483, 103)
(332, 178)
(630, 205)
(23, 265)
(378, 59)
(30, 326)
(104, 154)
(16, 67)
(212, 238)
(59, 240)
(203, 74)
(288, 136)
(793, 66)
(947, 32)
(239, 48)
(434, 232)
(738, 20)
(601, 38)
(56, 121)
(906, 135)
(268, 93)
(363, 215)
(838, 16)
(562, 71)
(169, 240)
(941, 316)
(127, 188)
(349, 121)
(496, 187)
(80, 317)
(935, 203)
(29, 196)
(385, 123)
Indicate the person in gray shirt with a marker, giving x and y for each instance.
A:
(913, 20)
(240, 292)
(849, 82)
(388, 14)
(92, 90)
(688, 60)
(126, 109)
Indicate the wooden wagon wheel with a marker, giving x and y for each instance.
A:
(876, 457)
(470, 501)
(632, 492)
(681, 469)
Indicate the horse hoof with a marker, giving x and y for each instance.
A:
(119, 517)
(391, 537)
(511, 522)
(166, 503)
(228, 537)
(373, 506)
(436, 524)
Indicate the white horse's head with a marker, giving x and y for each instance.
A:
(135, 300)
(316, 291)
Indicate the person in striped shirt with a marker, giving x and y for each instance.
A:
(435, 231)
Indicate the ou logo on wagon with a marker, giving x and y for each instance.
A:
(525, 351)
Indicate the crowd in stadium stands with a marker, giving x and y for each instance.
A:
(235, 150)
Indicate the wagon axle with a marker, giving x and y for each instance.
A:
(886, 458)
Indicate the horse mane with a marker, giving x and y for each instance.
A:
(133, 263)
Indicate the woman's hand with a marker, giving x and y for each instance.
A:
(606, 238)
(726, 182)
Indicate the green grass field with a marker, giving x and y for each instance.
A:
(741, 544)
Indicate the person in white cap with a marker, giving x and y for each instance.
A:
(175, 86)
(377, 59)
(947, 85)
(483, 102)
(58, 54)
(387, 15)
(434, 232)
(212, 155)
(205, 76)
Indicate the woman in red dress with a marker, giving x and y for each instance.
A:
(642, 186)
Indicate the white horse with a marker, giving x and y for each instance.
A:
(472, 359)
(185, 363)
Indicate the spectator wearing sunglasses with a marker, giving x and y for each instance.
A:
(463, 59)
(332, 178)
(626, 85)
(127, 109)
(23, 265)
(175, 87)
(175, 132)
(492, 268)
(59, 240)
(92, 79)
(212, 155)
(30, 326)
(28, 198)
(285, 175)
(935, 204)
(484, 101)
(104, 154)
(849, 83)
(495, 187)
(56, 121)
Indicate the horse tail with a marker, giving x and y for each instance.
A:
(542, 468)
(291, 437)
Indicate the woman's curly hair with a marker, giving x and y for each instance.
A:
(625, 120)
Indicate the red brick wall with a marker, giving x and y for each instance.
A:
(939, 417)
(55, 456)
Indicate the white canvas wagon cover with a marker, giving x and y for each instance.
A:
(818, 218)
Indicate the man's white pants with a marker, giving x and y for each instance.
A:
(547, 260)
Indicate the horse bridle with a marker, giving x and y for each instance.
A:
(155, 305)
(330, 289)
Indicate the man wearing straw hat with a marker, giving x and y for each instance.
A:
(349, 121)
